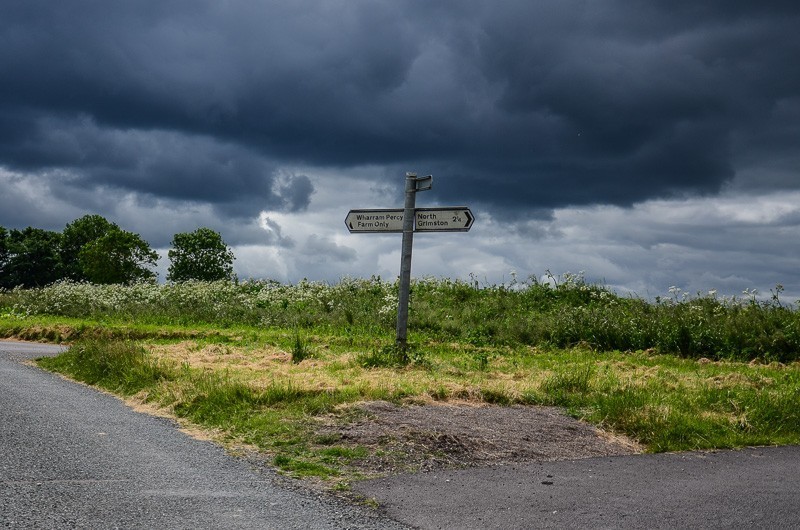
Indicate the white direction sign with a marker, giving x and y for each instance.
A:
(445, 219)
(375, 220)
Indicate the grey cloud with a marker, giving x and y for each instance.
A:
(159, 164)
(294, 191)
(323, 250)
(274, 234)
(28, 201)
(535, 230)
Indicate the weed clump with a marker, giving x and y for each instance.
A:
(567, 381)
(392, 356)
(300, 349)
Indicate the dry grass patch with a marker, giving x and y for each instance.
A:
(261, 367)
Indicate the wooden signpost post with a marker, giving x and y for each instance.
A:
(408, 220)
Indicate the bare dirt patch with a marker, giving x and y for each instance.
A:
(434, 436)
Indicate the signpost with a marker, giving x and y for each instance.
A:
(446, 219)
(408, 220)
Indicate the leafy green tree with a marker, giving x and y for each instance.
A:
(31, 258)
(3, 253)
(199, 255)
(117, 256)
(77, 235)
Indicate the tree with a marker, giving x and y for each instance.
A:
(199, 255)
(3, 255)
(77, 235)
(117, 256)
(31, 258)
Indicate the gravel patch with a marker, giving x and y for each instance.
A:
(428, 437)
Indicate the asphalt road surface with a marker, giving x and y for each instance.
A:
(752, 488)
(72, 457)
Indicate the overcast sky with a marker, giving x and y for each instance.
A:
(650, 144)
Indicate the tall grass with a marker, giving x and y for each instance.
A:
(122, 367)
(565, 312)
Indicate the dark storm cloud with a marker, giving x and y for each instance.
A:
(158, 164)
(531, 105)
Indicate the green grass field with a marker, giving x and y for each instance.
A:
(259, 363)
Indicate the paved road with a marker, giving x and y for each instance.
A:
(72, 457)
(752, 488)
